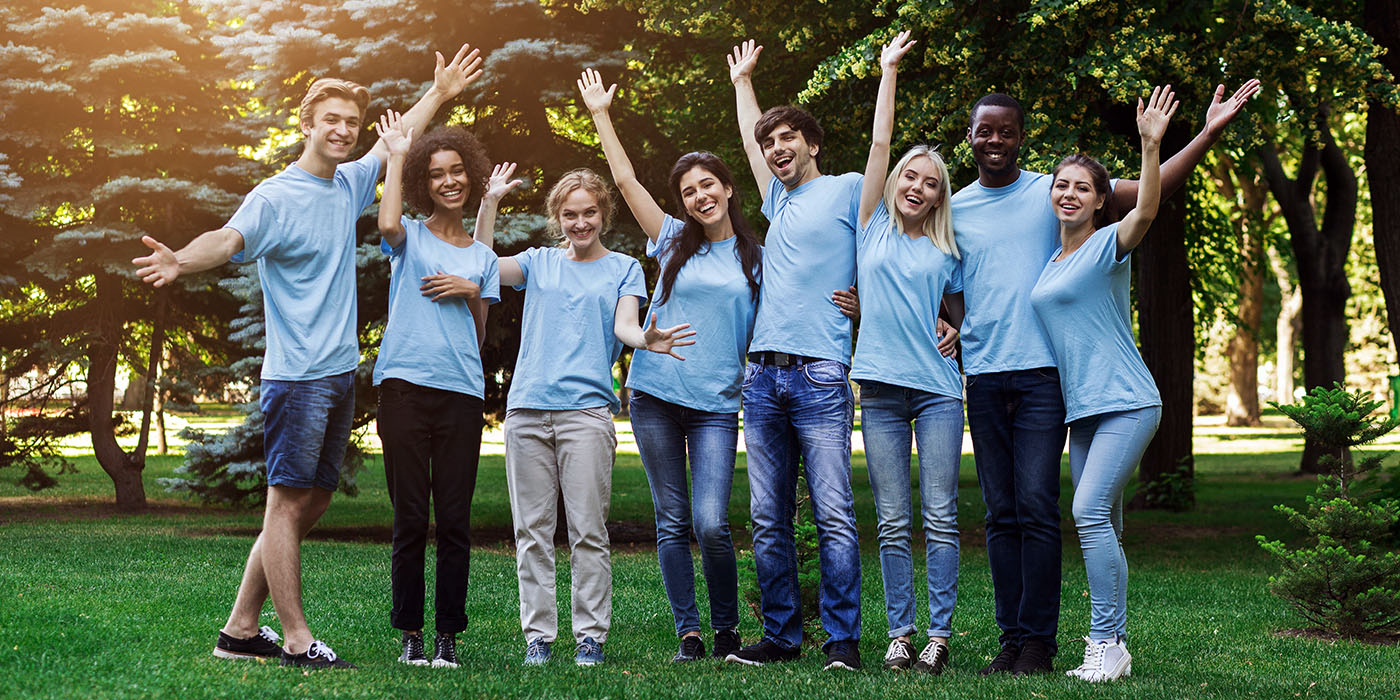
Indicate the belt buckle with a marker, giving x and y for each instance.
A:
(782, 359)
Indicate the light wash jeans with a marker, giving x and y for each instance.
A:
(1103, 452)
(886, 414)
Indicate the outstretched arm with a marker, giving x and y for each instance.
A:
(1152, 124)
(397, 138)
(497, 187)
(210, 250)
(449, 80)
(741, 63)
(649, 214)
(878, 163)
(1178, 168)
(658, 340)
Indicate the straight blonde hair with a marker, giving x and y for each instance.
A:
(938, 225)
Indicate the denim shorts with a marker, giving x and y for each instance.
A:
(306, 425)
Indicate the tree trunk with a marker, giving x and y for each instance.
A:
(1245, 191)
(162, 445)
(1288, 327)
(1383, 162)
(152, 372)
(101, 385)
(1166, 329)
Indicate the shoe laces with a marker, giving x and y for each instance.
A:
(536, 646)
(319, 649)
(590, 646)
(930, 653)
(897, 650)
(1007, 655)
(445, 647)
(692, 646)
(269, 634)
(1093, 656)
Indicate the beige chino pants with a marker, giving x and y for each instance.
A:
(548, 453)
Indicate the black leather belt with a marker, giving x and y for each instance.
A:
(780, 359)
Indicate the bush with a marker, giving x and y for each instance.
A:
(809, 573)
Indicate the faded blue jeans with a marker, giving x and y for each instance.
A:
(666, 433)
(790, 412)
(1103, 452)
(886, 412)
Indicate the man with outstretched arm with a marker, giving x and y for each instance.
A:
(1007, 231)
(299, 225)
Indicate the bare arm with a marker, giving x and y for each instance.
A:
(741, 64)
(478, 308)
(649, 214)
(957, 310)
(511, 273)
(1178, 168)
(449, 80)
(1152, 124)
(397, 137)
(658, 340)
(210, 250)
(878, 163)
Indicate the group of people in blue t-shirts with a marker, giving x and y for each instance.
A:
(1028, 271)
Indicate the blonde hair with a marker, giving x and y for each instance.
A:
(326, 88)
(584, 179)
(938, 225)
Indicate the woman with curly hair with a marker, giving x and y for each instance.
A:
(429, 370)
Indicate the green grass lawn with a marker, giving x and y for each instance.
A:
(94, 603)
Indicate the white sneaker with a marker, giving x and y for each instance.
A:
(1103, 661)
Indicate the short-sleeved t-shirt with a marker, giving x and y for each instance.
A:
(711, 293)
(567, 344)
(1082, 302)
(300, 228)
(902, 283)
(434, 343)
(810, 252)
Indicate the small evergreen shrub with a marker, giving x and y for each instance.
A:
(809, 573)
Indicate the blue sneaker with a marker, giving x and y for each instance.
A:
(537, 652)
(589, 653)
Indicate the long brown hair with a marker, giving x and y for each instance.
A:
(691, 238)
(1098, 177)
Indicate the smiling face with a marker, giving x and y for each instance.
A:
(995, 137)
(333, 130)
(918, 190)
(706, 199)
(581, 218)
(1073, 196)
(789, 156)
(449, 183)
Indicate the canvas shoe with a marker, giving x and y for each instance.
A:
(589, 652)
(933, 659)
(445, 650)
(413, 650)
(318, 655)
(692, 649)
(262, 645)
(843, 655)
(726, 643)
(766, 651)
(537, 652)
(1105, 660)
(899, 655)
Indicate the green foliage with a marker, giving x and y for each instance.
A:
(1174, 491)
(1339, 420)
(809, 573)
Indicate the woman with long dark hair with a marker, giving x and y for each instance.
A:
(711, 263)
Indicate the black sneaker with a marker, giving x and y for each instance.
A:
(899, 655)
(445, 651)
(1035, 657)
(692, 649)
(726, 643)
(933, 659)
(1003, 661)
(413, 650)
(318, 655)
(262, 645)
(766, 651)
(843, 655)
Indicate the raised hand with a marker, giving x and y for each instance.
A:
(1220, 112)
(451, 79)
(500, 184)
(444, 286)
(742, 60)
(1152, 119)
(595, 98)
(662, 340)
(160, 267)
(895, 50)
(396, 133)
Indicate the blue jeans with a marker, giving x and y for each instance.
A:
(1017, 421)
(306, 428)
(886, 412)
(665, 433)
(802, 411)
(1103, 452)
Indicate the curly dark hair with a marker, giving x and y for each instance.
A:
(444, 138)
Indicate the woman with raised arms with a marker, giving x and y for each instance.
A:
(1112, 405)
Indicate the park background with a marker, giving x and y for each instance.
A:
(1267, 274)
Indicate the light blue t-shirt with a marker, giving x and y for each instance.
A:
(567, 344)
(902, 283)
(434, 343)
(301, 230)
(810, 253)
(711, 293)
(1082, 302)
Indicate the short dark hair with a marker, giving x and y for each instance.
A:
(796, 118)
(997, 99)
(444, 138)
(1098, 176)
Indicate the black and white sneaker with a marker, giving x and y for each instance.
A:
(318, 655)
(933, 659)
(1035, 657)
(726, 643)
(692, 649)
(413, 650)
(1003, 661)
(766, 651)
(260, 646)
(445, 651)
(843, 655)
(899, 655)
